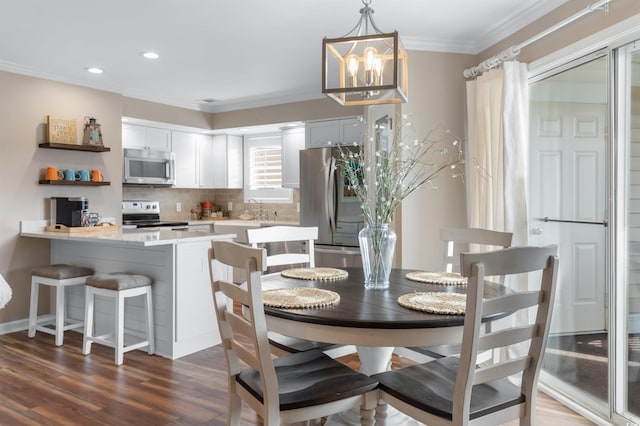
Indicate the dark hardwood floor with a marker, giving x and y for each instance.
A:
(41, 384)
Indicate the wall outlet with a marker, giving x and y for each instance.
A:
(178, 207)
(230, 206)
(298, 207)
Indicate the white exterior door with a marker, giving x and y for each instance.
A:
(568, 188)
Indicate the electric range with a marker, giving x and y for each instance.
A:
(146, 214)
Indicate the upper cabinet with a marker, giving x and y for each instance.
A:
(185, 147)
(344, 131)
(206, 161)
(227, 161)
(143, 137)
(293, 141)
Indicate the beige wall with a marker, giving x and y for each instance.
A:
(24, 106)
(297, 111)
(436, 97)
(578, 30)
(146, 110)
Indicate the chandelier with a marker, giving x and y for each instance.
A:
(365, 69)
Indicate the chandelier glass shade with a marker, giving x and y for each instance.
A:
(365, 69)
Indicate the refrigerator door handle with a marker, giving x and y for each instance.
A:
(330, 196)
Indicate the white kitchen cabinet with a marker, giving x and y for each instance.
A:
(194, 159)
(205, 155)
(143, 137)
(344, 131)
(185, 147)
(293, 140)
(195, 312)
(226, 163)
(200, 228)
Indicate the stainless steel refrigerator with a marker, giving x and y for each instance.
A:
(326, 202)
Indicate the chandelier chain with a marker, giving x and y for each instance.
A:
(366, 18)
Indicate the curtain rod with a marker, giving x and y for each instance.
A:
(513, 51)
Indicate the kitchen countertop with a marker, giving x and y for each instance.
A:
(135, 237)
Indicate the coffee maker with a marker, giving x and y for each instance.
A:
(68, 210)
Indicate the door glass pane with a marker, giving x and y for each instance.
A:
(568, 204)
(633, 243)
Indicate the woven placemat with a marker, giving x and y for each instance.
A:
(315, 273)
(299, 297)
(446, 278)
(435, 302)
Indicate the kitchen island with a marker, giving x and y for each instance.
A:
(177, 261)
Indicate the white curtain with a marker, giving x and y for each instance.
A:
(498, 151)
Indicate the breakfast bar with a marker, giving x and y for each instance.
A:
(177, 261)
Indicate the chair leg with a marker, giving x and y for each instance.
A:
(381, 412)
(150, 326)
(367, 410)
(119, 331)
(60, 314)
(234, 407)
(88, 321)
(33, 307)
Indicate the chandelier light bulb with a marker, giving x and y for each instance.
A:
(352, 67)
(377, 68)
(370, 56)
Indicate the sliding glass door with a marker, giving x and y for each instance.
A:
(585, 197)
(569, 157)
(627, 277)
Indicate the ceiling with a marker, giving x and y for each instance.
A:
(233, 53)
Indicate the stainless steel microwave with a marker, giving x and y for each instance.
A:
(148, 167)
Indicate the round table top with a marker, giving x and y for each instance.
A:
(362, 308)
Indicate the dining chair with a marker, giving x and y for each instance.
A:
(293, 388)
(458, 240)
(282, 344)
(455, 241)
(458, 391)
(286, 234)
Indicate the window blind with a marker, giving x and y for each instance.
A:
(266, 167)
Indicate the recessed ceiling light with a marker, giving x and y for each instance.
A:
(94, 70)
(150, 55)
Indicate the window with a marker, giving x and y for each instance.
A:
(263, 169)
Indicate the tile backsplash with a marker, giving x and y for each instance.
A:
(189, 199)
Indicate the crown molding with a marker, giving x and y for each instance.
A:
(32, 72)
(516, 22)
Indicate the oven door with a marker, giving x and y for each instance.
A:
(147, 167)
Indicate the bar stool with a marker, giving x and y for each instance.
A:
(59, 276)
(118, 286)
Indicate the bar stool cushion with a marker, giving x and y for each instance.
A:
(61, 271)
(118, 281)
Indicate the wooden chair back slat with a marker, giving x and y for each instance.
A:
(458, 240)
(285, 234)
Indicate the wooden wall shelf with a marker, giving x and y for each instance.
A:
(72, 147)
(73, 182)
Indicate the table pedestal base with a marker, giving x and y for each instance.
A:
(373, 360)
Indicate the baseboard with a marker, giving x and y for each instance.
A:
(14, 326)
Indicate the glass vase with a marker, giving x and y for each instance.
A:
(377, 244)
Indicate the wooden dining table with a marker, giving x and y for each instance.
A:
(372, 320)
